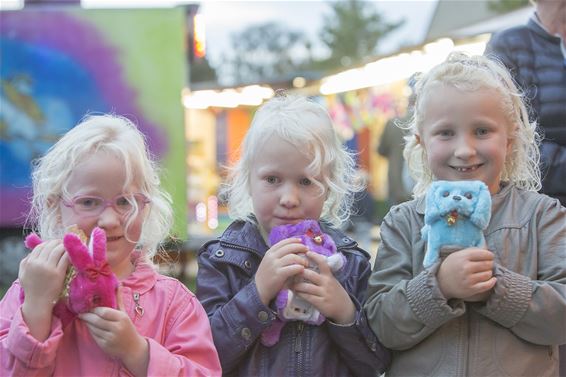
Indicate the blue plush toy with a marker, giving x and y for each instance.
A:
(456, 214)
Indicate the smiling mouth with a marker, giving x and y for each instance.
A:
(115, 238)
(466, 169)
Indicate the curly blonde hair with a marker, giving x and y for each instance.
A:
(307, 125)
(119, 137)
(472, 73)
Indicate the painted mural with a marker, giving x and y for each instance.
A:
(57, 65)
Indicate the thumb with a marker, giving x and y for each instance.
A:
(120, 299)
(320, 261)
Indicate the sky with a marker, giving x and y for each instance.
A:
(225, 18)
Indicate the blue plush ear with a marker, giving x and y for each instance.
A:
(482, 213)
(432, 211)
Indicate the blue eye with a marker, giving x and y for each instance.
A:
(87, 203)
(271, 179)
(306, 182)
(482, 131)
(124, 202)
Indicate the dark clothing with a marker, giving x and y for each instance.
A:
(537, 61)
(227, 290)
(391, 146)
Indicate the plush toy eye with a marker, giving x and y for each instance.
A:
(468, 195)
(445, 194)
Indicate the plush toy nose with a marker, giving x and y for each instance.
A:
(457, 198)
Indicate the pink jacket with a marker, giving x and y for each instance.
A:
(173, 322)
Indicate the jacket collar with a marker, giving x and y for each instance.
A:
(144, 276)
(535, 25)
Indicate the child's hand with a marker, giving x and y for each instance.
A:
(325, 293)
(116, 335)
(279, 263)
(42, 275)
(467, 274)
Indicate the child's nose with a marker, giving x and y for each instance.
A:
(289, 197)
(108, 218)
(465, 148)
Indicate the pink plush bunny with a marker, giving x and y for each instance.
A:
(93, 284)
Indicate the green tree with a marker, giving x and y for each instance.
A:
(503, 6)
(352, 32)
(266, 52)
(200, 70)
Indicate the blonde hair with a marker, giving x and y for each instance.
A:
(472, 73)
(119, 137)
(307, 125)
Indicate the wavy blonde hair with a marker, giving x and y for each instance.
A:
(307, 125)
(472, 73)
(119, 137)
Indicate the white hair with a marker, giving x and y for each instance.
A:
(472, 73)
(119, 137)
(307, 125)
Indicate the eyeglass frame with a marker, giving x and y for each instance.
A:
(106, 203)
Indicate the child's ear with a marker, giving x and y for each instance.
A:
(53, 200)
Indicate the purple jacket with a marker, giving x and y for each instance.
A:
(227, 291)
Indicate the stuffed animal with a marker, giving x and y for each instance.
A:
(289, 306)
(90, 282)
(456, 214)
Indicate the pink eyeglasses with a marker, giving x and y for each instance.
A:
(123, 204)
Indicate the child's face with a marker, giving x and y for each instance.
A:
(104, 175)
(465, 135)
(281, 190)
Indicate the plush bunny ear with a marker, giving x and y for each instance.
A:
(32, 240)
(77, 250)
(98, 244)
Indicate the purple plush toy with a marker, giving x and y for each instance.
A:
(291, 307)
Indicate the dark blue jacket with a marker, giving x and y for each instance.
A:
(227, 290)
(538, 64)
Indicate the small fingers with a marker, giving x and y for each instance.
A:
(320, 261)
(287, 246)
(482, 276)
(291, 270)
(481, 266)
(290, 259)
(312, 276)
(306, 287)
(56, 253)
(485, 285)
(480, 255)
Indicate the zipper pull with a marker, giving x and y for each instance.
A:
(138, 308)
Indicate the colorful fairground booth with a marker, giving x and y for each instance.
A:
(360, 101)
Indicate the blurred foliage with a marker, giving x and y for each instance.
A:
(352, 32)
(271, 52)
(200, 70)
(503, 6)
(266, 51)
